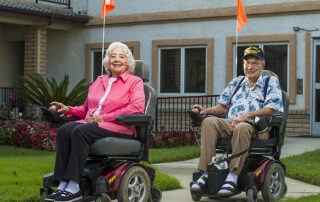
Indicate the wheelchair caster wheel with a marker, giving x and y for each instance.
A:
(252, 195)
(102, 198)
(155, 194)
(44, 192)
(195, 196)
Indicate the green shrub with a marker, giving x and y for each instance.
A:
(3, 112)
(39, 91)
(6, 129)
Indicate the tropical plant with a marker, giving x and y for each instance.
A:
(41, 91)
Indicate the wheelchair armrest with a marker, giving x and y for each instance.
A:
(55, 117)
(135, 119)
(276, 120)
(197, 118)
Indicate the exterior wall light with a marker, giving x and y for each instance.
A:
(296, 29)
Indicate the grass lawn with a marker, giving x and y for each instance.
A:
(22, 170)
(174, 154)
(304, 167)
(311, 198)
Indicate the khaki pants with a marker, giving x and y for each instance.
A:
(214, 128)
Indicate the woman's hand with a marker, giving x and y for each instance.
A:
(59, 107)
(95, 118)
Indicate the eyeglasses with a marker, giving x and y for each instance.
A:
(252, 63)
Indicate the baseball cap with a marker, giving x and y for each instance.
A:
(254, 51)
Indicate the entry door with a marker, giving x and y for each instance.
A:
(315, 112)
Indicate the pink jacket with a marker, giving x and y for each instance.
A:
(126, 96)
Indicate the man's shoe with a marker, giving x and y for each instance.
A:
(54, 195)
(68, 196)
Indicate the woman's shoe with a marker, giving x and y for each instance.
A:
(54, 195)
(68, 196)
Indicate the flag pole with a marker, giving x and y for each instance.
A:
(102, 51)
(237, 45)
(241, 21)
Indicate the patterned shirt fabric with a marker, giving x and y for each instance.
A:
(249, 99)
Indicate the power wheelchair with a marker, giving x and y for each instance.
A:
(113, 169)
(262, 170)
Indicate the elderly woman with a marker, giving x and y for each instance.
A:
(117, 92)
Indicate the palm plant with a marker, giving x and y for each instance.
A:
(39, 91)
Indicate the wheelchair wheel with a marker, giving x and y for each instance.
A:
(44, 192)
(252, 195)
(102, 198)
(134, 186)
(156, 194)
(195, 196)
(274, 186)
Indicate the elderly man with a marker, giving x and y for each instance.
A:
(243, 98)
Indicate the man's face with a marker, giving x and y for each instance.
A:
(252, 67)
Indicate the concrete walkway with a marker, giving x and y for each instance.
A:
(183, 172)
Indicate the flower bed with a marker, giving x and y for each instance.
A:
(40, 136)
(174, 138)
(29, 134)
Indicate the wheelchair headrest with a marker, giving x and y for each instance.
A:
(269, 73)
(141, 70)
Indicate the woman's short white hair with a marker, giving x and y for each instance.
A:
(130, 59)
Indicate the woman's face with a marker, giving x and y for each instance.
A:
(118, 61)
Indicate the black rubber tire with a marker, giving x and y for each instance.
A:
(274, 186)
(195, 197)
(252, 195)
(102, 198)
(45, 193)
(155, 194)
(135, 183)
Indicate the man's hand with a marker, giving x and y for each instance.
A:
(239, 120)
(59, 107)
(199, 109)
(266, 111)
(95, 118)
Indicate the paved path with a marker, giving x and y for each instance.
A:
(183, 172)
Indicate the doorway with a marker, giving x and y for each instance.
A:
(315, 93)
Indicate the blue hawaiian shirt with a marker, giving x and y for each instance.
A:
(248, 100)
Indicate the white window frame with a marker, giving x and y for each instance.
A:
(182, 70)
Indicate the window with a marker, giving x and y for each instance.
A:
(276, 57)
(96, 63)
(182, 70)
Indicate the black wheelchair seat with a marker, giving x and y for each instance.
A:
(115, 146)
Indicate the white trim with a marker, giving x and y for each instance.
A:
(314, 126)
(315, 34)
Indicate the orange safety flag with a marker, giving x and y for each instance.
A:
(107, 7)
(241, 16)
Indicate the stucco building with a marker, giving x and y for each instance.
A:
(189, 45)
